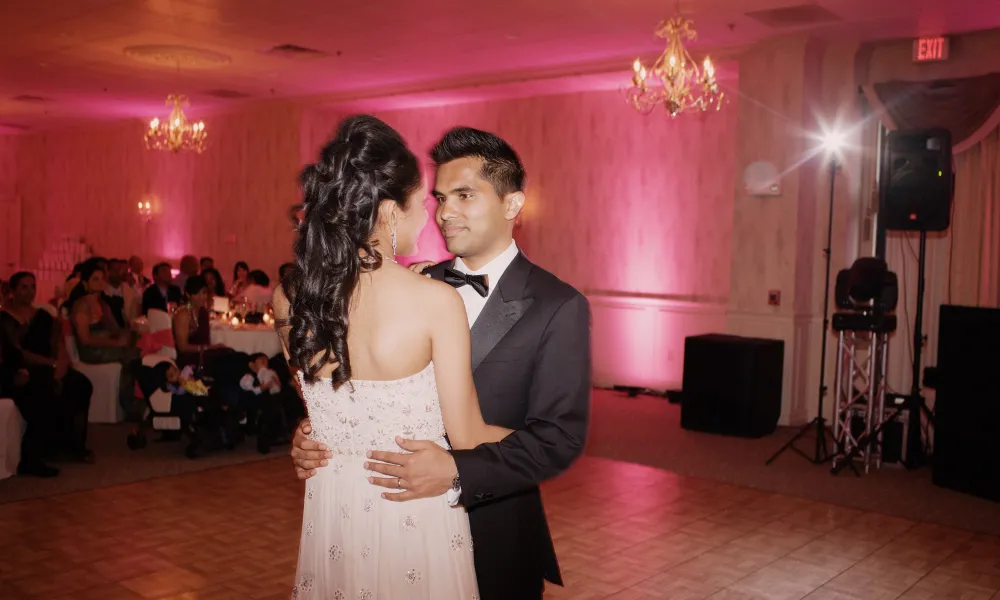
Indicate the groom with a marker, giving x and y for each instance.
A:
(531, 365)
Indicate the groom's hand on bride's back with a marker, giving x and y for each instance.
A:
(307, 454)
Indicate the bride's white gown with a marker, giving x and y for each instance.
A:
(354, 544)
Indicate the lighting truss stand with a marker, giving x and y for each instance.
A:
(914, 403)
(859, 386)
(821, 453)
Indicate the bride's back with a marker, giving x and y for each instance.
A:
(388, 334)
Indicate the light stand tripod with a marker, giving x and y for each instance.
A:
(821, 453)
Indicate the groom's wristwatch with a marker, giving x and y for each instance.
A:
(456, 484)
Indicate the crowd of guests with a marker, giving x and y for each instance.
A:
(105, 298)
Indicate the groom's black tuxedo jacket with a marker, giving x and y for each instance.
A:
(531, 365)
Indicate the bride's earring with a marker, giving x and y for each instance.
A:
(393, 234)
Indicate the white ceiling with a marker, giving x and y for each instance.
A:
(62, 60)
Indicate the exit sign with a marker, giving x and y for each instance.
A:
(928, 49)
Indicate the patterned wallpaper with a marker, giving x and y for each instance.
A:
(617, 202)
(635, 211)
(231, 202)
(10, 209)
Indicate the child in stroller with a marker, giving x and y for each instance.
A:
(207, 420)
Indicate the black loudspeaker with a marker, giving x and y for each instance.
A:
(967, 406)
(916, 181)
(732, 385)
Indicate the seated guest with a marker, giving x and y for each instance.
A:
(206, 263)
(120, 296)
(99, 261)
(258, 291)
(260, 378)
(240, 273)
(162, 292)
(33, 339)
(99, 338)
(14, 382)
(73, 279)
(135, 277)
(214, 282)
(189, 268)
(192, 334)
(262, 403)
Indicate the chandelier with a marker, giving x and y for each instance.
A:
(675, 79)
(176, 133)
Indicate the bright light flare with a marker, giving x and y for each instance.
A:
(834, 141)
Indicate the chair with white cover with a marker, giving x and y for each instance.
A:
(11, 432)
(159, 320)
(106, 379)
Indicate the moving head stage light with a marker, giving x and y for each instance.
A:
(866, 296)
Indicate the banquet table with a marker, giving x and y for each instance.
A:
(247, 338)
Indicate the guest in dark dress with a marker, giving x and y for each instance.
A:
(14, 383)
(192, 331)
(100, 339)
(216, 289)
(240, 273)
(32, 338)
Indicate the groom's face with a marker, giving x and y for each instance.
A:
(472, 217)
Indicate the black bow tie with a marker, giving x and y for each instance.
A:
(457, 279)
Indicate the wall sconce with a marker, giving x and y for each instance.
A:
(145, 211)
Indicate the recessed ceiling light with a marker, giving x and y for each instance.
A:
(30, 99)
(177, 56)
(294, 52)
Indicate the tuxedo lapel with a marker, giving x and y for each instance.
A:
(503, 309)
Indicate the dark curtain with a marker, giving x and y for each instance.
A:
(962, 106)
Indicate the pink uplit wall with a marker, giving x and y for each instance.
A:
(10, 207)
(635, 211)
(231, 202)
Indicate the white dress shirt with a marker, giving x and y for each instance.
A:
(493, 271)
(474, 304)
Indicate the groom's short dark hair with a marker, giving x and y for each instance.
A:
(501, 165)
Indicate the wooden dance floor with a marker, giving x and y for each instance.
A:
(622, 531)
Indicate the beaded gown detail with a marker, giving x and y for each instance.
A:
(356, 545)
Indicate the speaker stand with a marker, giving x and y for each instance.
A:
(918, 406)
(821, 452)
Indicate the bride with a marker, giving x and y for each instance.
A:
(380, 351)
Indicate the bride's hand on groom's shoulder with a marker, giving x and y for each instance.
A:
(307, 454)
(421, 266)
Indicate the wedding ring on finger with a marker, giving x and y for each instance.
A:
(399, 483)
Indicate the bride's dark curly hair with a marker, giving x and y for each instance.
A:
(365, 163)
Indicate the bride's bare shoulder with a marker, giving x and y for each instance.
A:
(433, 295)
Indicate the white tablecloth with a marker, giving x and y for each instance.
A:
(11, 430)
(248, 338)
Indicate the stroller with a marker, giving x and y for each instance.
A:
(204, 420)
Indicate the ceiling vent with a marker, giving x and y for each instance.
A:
(293, 52)
(227, 94)
(30, 99)
(802, 15)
